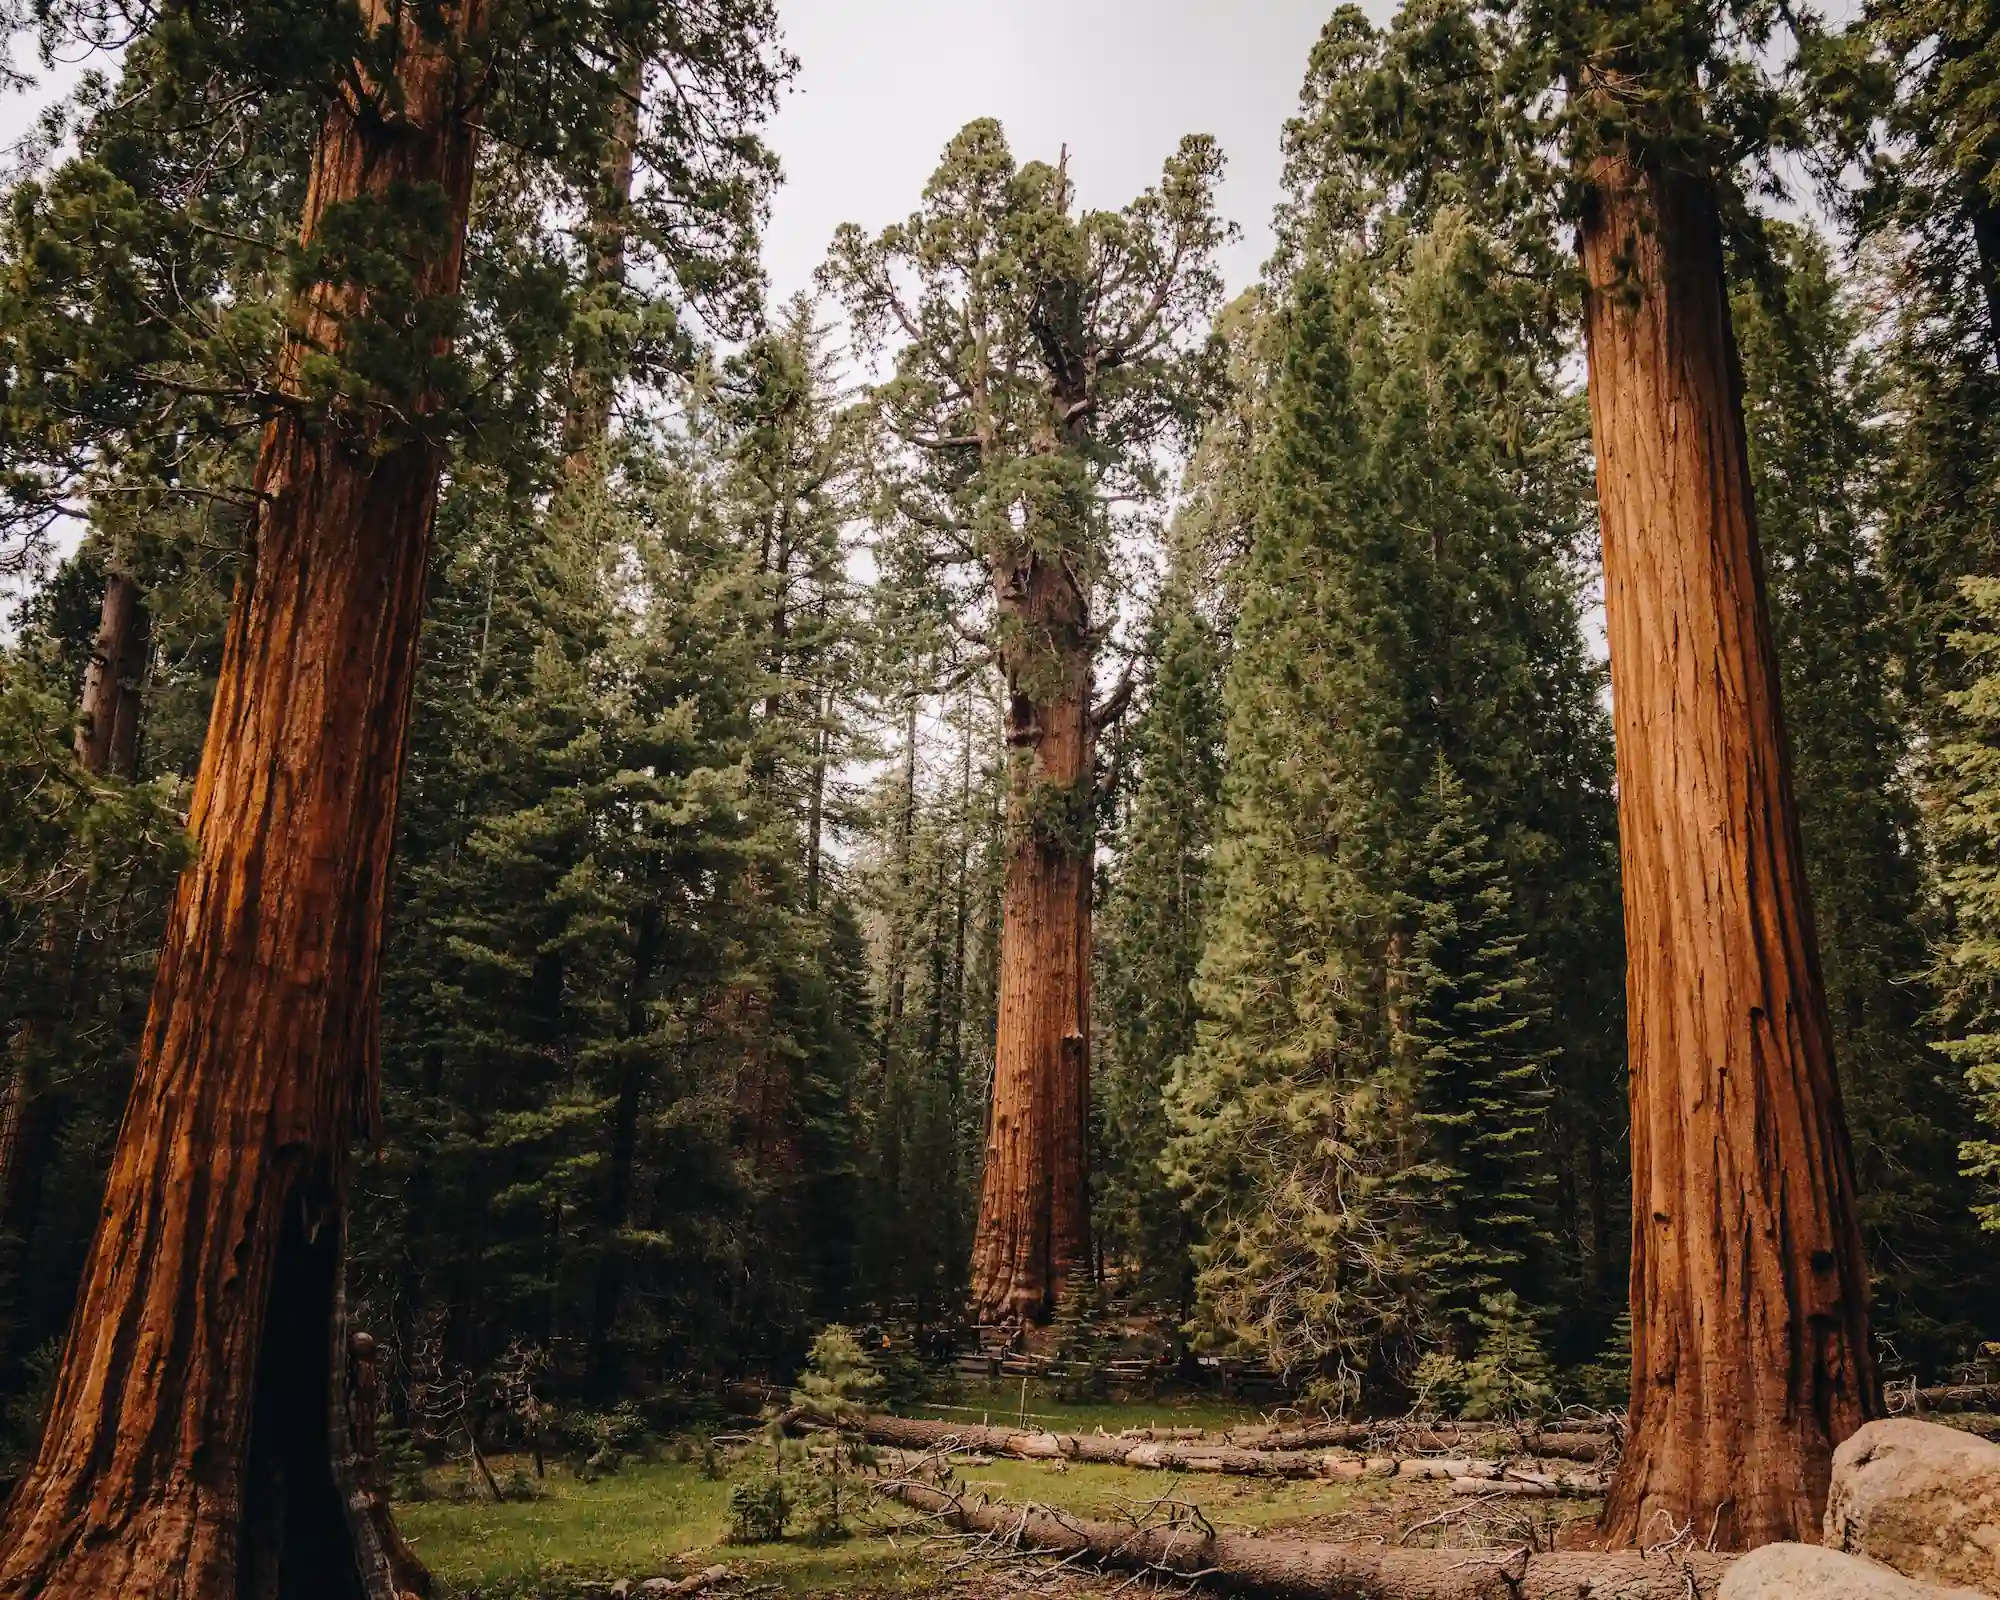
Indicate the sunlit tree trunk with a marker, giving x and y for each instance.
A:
(1751, 1359)
(190, 1450)
(1034, 1219)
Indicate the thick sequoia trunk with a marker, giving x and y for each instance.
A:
(181, 1456)
(107, 734)
(1750, 1353)
(1034, 1221)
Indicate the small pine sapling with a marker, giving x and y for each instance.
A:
(1083, 1343)
(1508, 1378)
(758, 1510)
(838, 1385)
(1437, 1387)
(1605, 1384)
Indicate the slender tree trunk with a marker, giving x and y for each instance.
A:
(107, 734)
(599, 356)
(1034, 1219)
(899, 930)
(187, 1452)
(1986, 241)
(107, 740)
(816, 793)
(616, 1211)
(1750, 1353)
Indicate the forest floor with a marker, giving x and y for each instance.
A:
(669, 1518)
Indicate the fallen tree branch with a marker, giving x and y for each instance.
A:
(1557, 1441)
(1954, 1397)
(1117, 1450)
(1464, 1474)
(1297, 1569)
(663, 1589)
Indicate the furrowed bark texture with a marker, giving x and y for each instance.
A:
(1750, 1352)
(188, 1449)
(1034, 1219)
(1299, 1569)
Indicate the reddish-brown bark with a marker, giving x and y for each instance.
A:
(1034, 1218)
(1750, 1349)
(210, 1296)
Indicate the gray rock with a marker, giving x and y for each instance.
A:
(1811, 1572)
(1920, 1498)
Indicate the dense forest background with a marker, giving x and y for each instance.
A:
(692, 1002)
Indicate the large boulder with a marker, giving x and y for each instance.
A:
(1920, 1498)
(1811, 1572)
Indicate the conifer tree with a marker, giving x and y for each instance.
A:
(1283, 1141)
(1411, 593)
(1155, 917)
(1661, 110)
(222, 1460)
(1968, 830)
(1906, 87)
(1473, 1017)
(1041, 355)
(1819, 463)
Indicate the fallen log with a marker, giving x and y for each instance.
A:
(1110, 1449)
(1264, 1568)
(1562, 1443)
(667, 1588)
(1527, 1488)
(1104, 1449)
(1953, 1397)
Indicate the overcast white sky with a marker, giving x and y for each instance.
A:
(883, 84)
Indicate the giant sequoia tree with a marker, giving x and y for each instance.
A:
(1041, 355)
(192, 1446)
(1742, 1179)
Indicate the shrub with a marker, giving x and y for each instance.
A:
(1508, 1377)
(758, 1510)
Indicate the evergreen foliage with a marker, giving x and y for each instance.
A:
(1508, 1378)
(1473, 1021)
(1154, 921)
(691, 1000)
(1411, 595)
(1812, 397)
(1969, 833)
